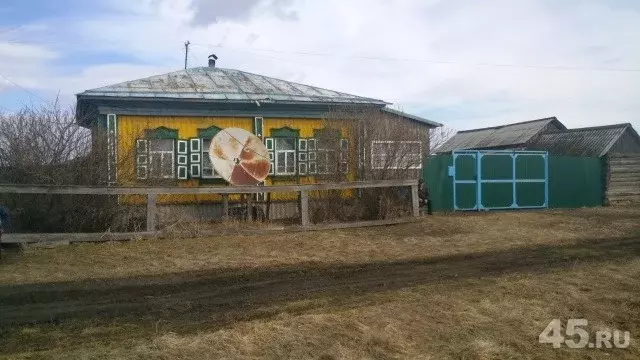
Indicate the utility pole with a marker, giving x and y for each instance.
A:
(186, 53)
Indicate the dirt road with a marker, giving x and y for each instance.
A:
(225, 293)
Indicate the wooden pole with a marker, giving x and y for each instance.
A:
(415, 201)
(225, 206)
(304, 208)
(249, 207)
(151, 212)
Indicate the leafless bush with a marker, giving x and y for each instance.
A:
(44, 145)
(384, 147)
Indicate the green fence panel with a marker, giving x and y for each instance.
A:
(497, 195)
(466, 167)
(497, 167)
(530, 194)
(466, 196)
(575, 182)
(529, 167)
(436, 175)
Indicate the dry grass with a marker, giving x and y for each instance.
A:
(478, 286)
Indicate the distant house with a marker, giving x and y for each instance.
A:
(159, 129)
(510, 136)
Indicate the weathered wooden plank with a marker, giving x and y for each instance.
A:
(333, 226)
(151, 212)
(304, 208)
(225, 206)
(625, 170)
(623, 191)
(103, 237)
(249, 207)
(90, 190)
(12, 238)
(625, 198)
(415, 200)
(625, 176)
(624, 183)
(624, 156)
(629, 163)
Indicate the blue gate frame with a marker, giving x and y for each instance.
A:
(477, 155)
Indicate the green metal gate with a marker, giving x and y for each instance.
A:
(500, 179)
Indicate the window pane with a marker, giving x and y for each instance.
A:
(167, 165)
(280, 162)
(291, 162)
(154, 169)
(285, 143)
(161, 145)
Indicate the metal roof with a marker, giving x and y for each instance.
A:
(411, 117)
(224, 85)
(591, 141)
(510, 135)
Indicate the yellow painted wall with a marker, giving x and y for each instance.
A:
(131, 128)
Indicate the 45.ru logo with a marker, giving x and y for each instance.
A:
(577, 337)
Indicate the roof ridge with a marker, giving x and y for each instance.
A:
(551, 118)
(610, 126)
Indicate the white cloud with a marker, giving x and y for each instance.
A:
(573, 34)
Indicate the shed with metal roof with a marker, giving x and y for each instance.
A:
(510, 136)
(594, 141)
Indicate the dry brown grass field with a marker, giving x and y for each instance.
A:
(463, 286)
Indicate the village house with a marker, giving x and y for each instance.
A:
(158, 130)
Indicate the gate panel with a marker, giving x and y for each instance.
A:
(496, 180)
(500, 179)
(465, 189)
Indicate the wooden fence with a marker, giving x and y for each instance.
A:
(153, 192)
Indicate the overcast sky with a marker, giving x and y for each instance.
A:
(465, 63)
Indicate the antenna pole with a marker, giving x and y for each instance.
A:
(186, 53)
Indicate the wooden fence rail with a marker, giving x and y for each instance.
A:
(153, 192)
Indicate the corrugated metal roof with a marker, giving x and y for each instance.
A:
(225, 85)
(412, 117)
(498, 136)
(591, 141)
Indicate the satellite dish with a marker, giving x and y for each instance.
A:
(239, 157)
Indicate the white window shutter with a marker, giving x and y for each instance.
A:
(195, 157)
(269, 143)
(183, 159)
(142, 159)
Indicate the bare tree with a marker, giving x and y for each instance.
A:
(438, 136)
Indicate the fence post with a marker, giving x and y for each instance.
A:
(151, 212)
(249, 207)
(225, 206)
(304, 208)
(415, 201)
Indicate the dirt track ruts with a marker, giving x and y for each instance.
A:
(218, 292)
